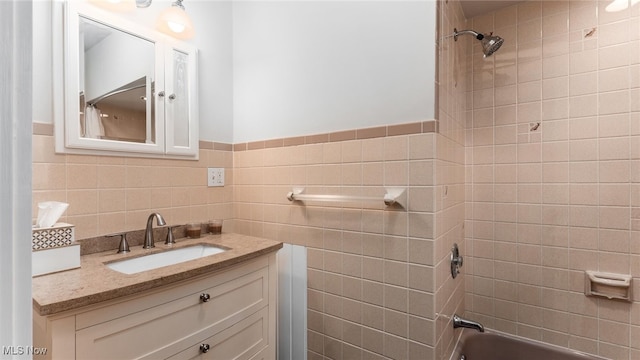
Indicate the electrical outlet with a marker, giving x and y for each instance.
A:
(215, 176)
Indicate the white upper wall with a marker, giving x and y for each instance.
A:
(290, 68)
(308, 67)
(215, 67)
(42, 110)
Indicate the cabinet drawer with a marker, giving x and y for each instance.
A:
(166, 325)
(264, 354)
(132, 304)
(241, 341)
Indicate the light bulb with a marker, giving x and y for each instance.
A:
(175, 27)
(174, 21)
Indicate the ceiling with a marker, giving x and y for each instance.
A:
(473, 8)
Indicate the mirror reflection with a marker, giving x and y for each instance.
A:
(116, 84)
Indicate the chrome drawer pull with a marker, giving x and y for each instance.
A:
(204, 297)
(204, 348)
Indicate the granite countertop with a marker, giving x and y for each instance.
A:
(94, 282)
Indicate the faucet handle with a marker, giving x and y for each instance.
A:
(170, 238)
(456, 261)
(124, 245)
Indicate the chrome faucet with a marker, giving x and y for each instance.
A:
(148, 232)
(459, 322)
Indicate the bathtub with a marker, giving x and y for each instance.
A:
(497, 346)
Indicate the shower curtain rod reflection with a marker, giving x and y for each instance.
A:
(114, 92)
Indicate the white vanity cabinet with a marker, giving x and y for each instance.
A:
(229, 314)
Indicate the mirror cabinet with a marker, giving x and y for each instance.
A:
(128, 90)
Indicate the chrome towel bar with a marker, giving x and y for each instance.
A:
(393, 196)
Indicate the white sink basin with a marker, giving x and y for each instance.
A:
(166, 258)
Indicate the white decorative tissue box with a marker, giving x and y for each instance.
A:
(54, 249)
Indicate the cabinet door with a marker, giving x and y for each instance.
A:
(181, 108)
(241, 341)
(111, 68)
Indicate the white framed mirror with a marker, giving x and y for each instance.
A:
(128, 90)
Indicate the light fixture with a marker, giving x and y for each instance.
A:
(116, 5)
(174, 21)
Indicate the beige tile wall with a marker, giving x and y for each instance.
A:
(379, 286)
(370, 270)
(541, 206)
(453, 77)
(110, 194)
(544, 205)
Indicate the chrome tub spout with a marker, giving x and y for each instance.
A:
(459, 322)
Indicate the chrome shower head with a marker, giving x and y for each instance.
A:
(490, 43)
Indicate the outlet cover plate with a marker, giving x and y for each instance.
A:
(215, 176)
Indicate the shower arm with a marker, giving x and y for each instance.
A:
(462, 32)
